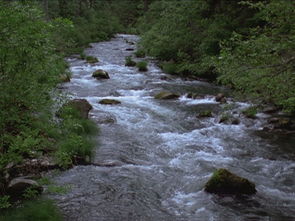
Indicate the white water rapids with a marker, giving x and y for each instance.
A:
(163, 154)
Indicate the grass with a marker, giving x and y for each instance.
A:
(169, 67)
(140, 53)
(142, 66)
(36, 210)
(77, 141)
(129, 62)
(250, 112)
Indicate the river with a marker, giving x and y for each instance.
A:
(161, 154)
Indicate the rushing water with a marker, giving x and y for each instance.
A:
(162, 154)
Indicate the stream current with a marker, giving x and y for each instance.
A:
(159, 155)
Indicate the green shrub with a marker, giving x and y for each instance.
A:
(169, 67)
(129, 62)
(44, 210)
(82, 56)
(76, 137)
(140, 53)
(250, 112)
(142, 66)
(4, 202)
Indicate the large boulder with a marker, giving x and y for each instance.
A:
(81, 105)
(18, 186)
(225, 182)
(220, 98)
(64, 78)
(166, 95)
(109, 102)
(100, 74)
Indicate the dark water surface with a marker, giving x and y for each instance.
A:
(164, 154)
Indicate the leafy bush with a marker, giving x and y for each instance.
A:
(250, 112)
(30, 69)
(129, 62)
(169, 67)
(40, 209)
(262, 64)
(75, 138)
(142, 66)
(140, 53)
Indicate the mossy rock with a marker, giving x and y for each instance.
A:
(206, 113)
(100, 74)
(79, 107)
(225, 182)
(166, 95)
(91, 59)
(109, 102)
(129, 62)
(65, 78)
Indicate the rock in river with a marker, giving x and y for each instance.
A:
(109, 102)
(166, 95)
(81, 105)
(100, 74)
(225, 182)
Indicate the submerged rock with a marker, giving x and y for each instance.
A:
(166, 95)
(109, 102)
(100, 74)
(225, 182)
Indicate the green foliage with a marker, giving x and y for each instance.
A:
(129, 62)
(44, 181)
(54, 189)
(248, 45)
(169, 67)
(82, 56)
(140, 53)
(29, 70)
(250, 112)
(30, 193)
(261, 64)
(142, 66)
(43, 210)
(75, 138)
(4, 202)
